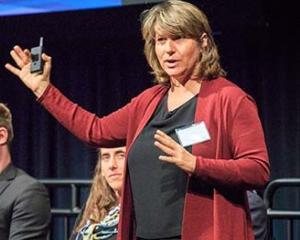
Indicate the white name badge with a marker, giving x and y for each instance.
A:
(195, 133)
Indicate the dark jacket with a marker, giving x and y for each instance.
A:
(24, 206)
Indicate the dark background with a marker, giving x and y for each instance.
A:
(98, 62)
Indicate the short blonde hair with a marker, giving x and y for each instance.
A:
(185, 20)
(6, 121)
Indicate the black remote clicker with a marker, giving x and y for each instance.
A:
(37, 63)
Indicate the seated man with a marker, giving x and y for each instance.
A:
(24, 202)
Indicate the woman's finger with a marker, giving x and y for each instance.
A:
(164, 148)
(28, 53)
(12, 69)
(24, 56)
(16, 58)
(169, 159)
(165, 139)
(48, 60)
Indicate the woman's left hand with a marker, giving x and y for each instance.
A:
(175, 153)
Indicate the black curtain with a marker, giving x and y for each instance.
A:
(98, 62)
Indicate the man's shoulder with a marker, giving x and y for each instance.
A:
(29, 195)
(20, 190)
(24, 177)
(24, 182)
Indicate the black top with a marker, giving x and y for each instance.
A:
(158, 187)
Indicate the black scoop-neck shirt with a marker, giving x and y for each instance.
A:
(158, 188)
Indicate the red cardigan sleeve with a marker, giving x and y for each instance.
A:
(107, 131)
(248, 166)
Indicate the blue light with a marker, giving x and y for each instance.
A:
(17, 7)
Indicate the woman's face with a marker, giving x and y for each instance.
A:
(177, 56)
(112, 165)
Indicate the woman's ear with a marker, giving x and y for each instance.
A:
(3, 135)
(204, 40)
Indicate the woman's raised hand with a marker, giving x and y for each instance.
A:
(35, 81)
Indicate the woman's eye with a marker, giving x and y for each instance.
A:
(177, 38)
(160, 39)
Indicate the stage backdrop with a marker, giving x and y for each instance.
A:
(98, 62)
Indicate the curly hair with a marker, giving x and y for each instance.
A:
(184, 20)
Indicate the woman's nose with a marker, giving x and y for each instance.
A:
(169, 46)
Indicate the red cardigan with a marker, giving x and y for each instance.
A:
(234, 160)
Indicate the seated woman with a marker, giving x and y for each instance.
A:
(100, 216)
